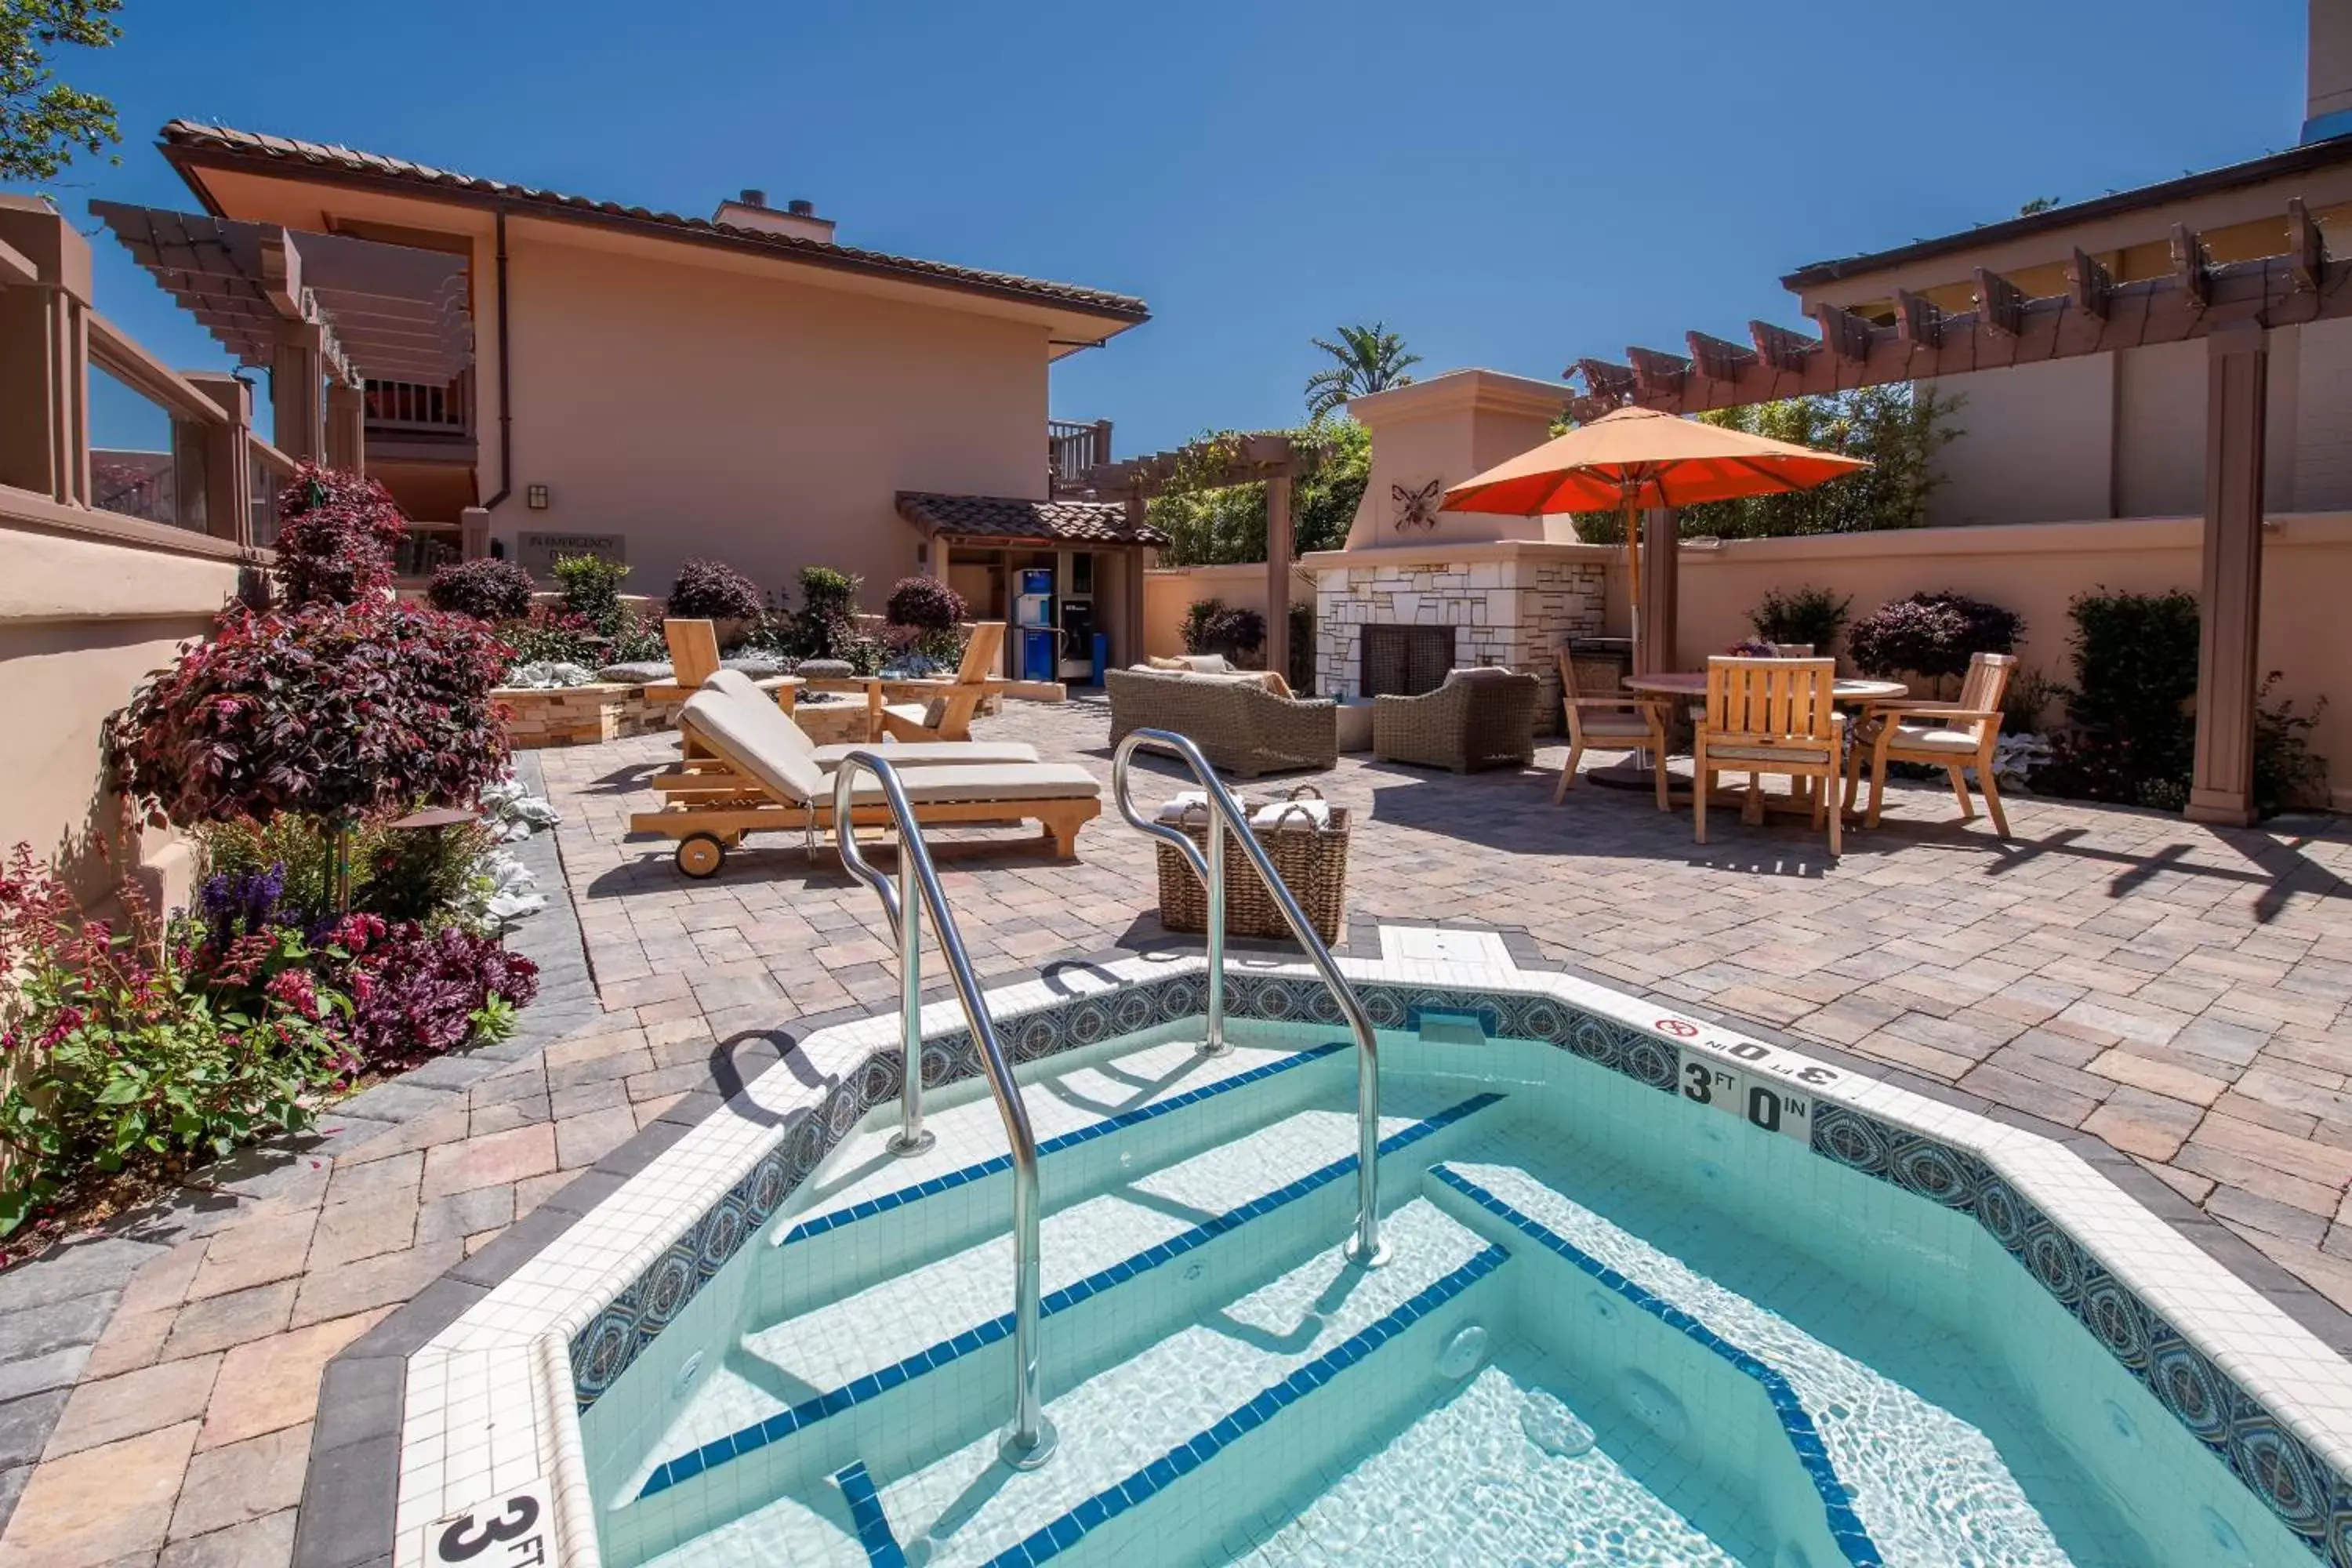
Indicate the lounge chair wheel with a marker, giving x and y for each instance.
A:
(700, 854)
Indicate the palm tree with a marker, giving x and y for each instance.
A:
(1370, 359)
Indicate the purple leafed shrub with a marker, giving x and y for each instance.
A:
(1931, 633)
(713, 590)
(331, 711)
(417, 993)
(925, 604)
(486, 590)
(336, 536)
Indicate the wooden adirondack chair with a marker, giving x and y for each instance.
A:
(943, 709)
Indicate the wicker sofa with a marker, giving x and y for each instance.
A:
(1478, 719)
(1241, 728)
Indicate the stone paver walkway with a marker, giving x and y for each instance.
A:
(2178, 991)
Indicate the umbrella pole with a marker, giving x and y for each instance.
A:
(1633, 577)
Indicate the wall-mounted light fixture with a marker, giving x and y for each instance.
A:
(535, 496)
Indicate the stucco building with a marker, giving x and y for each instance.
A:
(644, 385)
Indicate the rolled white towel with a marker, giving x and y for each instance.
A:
(1190, 802)
(1293, 813)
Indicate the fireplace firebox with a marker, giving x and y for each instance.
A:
(1404, 662)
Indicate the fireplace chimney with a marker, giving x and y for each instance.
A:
(2327, 102)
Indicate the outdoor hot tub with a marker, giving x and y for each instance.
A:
(1654, 1293)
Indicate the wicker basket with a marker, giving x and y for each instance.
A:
(1311, 861)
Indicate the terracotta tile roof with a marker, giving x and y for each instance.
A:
(198, 142)
(1005, 517)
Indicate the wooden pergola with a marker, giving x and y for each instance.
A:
(2231, 305)
(1272, 458)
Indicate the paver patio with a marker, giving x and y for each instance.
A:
(2184, 993)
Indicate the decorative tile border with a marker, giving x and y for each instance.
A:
(2287, 1397)
(1837, 1499)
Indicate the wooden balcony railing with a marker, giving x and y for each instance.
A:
(419, 407)
(1074, 446)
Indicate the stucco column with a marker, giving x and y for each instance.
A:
(1661, 588)
(2222, 779)
(228, 456)
(295, 386)
(44, 352)
(346, 428)
(474, 533)
(1278, 555)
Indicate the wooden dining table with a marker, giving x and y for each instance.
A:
(1635, 773)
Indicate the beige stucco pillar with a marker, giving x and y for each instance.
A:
(45, 294)
(297, 383)
(346, 428)
(2222, 779)
(1438, 433)
(228, 456)
(474, 532)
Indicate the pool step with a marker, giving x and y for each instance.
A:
(1096, 1124)
(1886, 1462)
(1221, 1403)
(878, 1375)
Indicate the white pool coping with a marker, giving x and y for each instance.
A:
(510, 1350)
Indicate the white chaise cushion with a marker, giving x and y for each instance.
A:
(934, 754)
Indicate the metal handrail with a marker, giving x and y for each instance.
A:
(1225, 815)
(1029, 1437)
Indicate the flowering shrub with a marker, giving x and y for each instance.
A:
(713, 590)
(331, 711)
(152, 1044)
(486, 590)
(1932, 635)
(417, 993)
(336, 536)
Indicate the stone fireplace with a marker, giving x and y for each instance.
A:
(1416, 592)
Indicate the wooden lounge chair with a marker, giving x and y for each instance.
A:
(1771, 715)
(1621, 719)
(759, 773)
(1948, 735)
(905, 753)
(945, 710)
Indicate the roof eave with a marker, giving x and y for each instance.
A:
(2231, 177)
(188, 160)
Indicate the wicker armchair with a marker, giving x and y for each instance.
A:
(1478, 719)
(1241, 728)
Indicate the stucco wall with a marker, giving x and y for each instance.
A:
(712, 412)
(2036, 570)
(1170, 591)
(82, 621)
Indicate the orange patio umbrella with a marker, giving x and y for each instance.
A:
(1634, 458)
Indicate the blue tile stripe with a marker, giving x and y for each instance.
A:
(808, 1412)
(1837, 1499)
(865, 1513)
(868, 1208)
(1165, 1470)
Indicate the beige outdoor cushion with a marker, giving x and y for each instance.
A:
(735, 683)
(933, 753)
(1919, 738)
(1157, 662)
(757, 737)
(1608, 723)
(1002, 781)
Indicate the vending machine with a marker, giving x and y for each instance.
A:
(1074, 612)
(1039, 645)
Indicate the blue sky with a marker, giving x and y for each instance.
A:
(1508, 186)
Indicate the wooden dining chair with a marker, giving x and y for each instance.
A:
(1771, 715)
(1619, 720)
(1953, 736)
(947, 707)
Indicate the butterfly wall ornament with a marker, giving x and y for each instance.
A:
(1415, 508)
